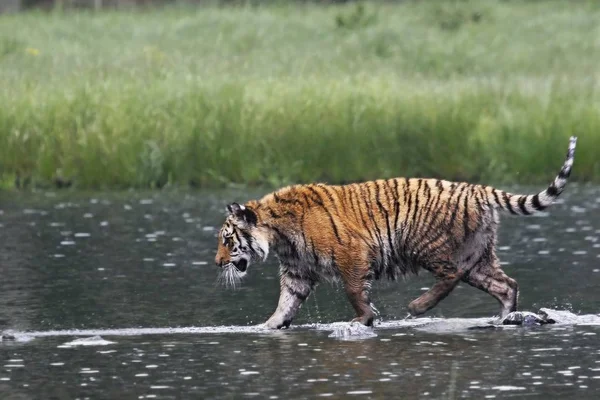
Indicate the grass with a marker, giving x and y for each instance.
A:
(485, 91)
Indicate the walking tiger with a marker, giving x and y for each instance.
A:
(360, 232)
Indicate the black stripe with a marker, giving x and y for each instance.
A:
(414, 217)
(405, 200)
(508, 205)
(564, 173)
(294, 292)
(290, 214)
(466, 214)
(319, 199)
(285, 271)
(308, 202)
(441, 229)
(425, 210)
(387, 218)
(536, 203)
(396, 196)
(327, 193)
(418, 218)
(303, 232)
(389, 196)
(287, 241)
(343, 197)
(351, 199)
(432, 252)
(359, 196)
(478, 202)
(314, 252)
(432, 209)
(320, 202)
(246, 236)
(483, 193)
(481, 257)
(406, 192)
(335, 229)
(408, 204)
(333, 259)
(408, 222)
(552, 190)
(524, 210)
(372, 216)
(496, 198)
(369, 208)
(334, 205)
(279, 199)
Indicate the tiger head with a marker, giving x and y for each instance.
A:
(242, 241)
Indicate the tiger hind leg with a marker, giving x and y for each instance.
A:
(487, 275)
(439, 291)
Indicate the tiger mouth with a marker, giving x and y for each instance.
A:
(241, 265)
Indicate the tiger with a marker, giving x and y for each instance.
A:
(356, 233)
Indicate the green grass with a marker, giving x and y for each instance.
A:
(485, 91)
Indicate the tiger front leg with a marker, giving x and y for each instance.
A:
(357, 287)
(294, 290)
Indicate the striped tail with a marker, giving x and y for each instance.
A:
(529, 204)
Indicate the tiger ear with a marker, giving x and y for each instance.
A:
(242, 213)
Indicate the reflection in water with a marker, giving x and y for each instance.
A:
(136, 260)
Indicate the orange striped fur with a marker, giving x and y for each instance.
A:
(360, 232)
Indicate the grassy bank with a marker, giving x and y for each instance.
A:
(484, 91)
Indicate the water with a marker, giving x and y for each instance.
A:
(114, 295)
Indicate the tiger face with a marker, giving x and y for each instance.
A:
(241, 243)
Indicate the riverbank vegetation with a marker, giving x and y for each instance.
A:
(487, 91)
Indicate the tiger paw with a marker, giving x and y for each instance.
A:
(352, 331)
(366, 320)
(277, 323)
(525, 318)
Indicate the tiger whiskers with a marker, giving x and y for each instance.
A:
(230, 276)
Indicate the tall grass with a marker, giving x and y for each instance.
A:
(483, 91)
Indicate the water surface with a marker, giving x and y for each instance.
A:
(136, 269)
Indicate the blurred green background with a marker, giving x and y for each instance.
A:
(138, 94)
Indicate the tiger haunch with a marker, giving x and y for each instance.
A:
(361, 232)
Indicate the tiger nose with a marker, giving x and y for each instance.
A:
(219, 261)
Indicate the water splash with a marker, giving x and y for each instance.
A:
(352, 331)
(340, 330)
(88, 341)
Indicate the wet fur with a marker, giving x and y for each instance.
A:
(362, 232)
(230, 276)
